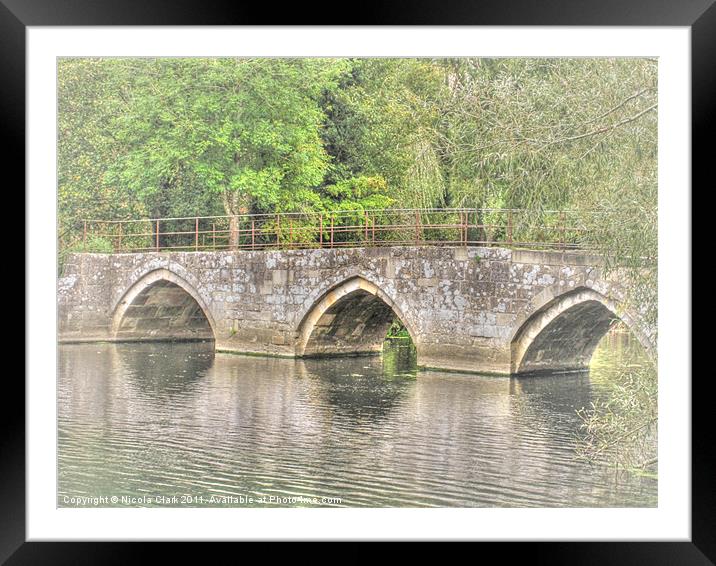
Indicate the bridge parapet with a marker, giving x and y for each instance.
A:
(465, 307)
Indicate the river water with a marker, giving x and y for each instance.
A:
(175, 424)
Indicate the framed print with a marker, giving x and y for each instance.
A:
(426, 276)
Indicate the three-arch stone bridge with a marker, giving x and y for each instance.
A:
(491, 310)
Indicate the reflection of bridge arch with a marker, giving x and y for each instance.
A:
(352, 317)
(162, 305)
(562, 334)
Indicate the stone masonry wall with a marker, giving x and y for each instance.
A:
(464, 307)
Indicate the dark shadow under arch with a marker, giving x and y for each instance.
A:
(161, 307)
(568, 342)
(351, 319)
(563, 334)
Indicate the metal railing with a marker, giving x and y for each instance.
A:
(552, 229)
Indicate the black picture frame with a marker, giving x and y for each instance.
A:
(699, 15)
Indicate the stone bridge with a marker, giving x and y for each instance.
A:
(476, 309)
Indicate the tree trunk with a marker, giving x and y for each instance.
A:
(233, 233)
(234, 205)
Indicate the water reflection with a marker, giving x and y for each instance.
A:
(163, 375)
(551, 400)
(178, 419)
(361, 390)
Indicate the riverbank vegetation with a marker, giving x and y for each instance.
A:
(153, 138)
(619, 427)
(150, 138)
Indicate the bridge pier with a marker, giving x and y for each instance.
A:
(482, 310)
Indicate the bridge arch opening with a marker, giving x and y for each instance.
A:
(564, 333)
(161, 306)
(350, 319)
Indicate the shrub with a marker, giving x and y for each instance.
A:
(93, 244)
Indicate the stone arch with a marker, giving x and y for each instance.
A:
(351, 317)
(564, 330)
(161, 305)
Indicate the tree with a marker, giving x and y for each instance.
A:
(88, 102)
(542, 133)
(382, 123)
(245, 130)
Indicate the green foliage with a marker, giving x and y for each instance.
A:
(94, 245)
(244, 130)
(397, 330)
(185, 137)
(382, 124)
(620, 429)
(539, 133)
(89, 99)
(356, 194)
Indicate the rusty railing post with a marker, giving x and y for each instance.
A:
(417, 227)
(196, 235)
(213, 235)
(509, 226)
(253, 234)
(278, 231)
(320, 228)
(562, 234)
(477, 227)
(331, 230)
(157, 243)
(119, 239)
(365, 213)
(372, 223)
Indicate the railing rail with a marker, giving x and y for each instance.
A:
(508, 227)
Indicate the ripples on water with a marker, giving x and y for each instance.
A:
(176, 419)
